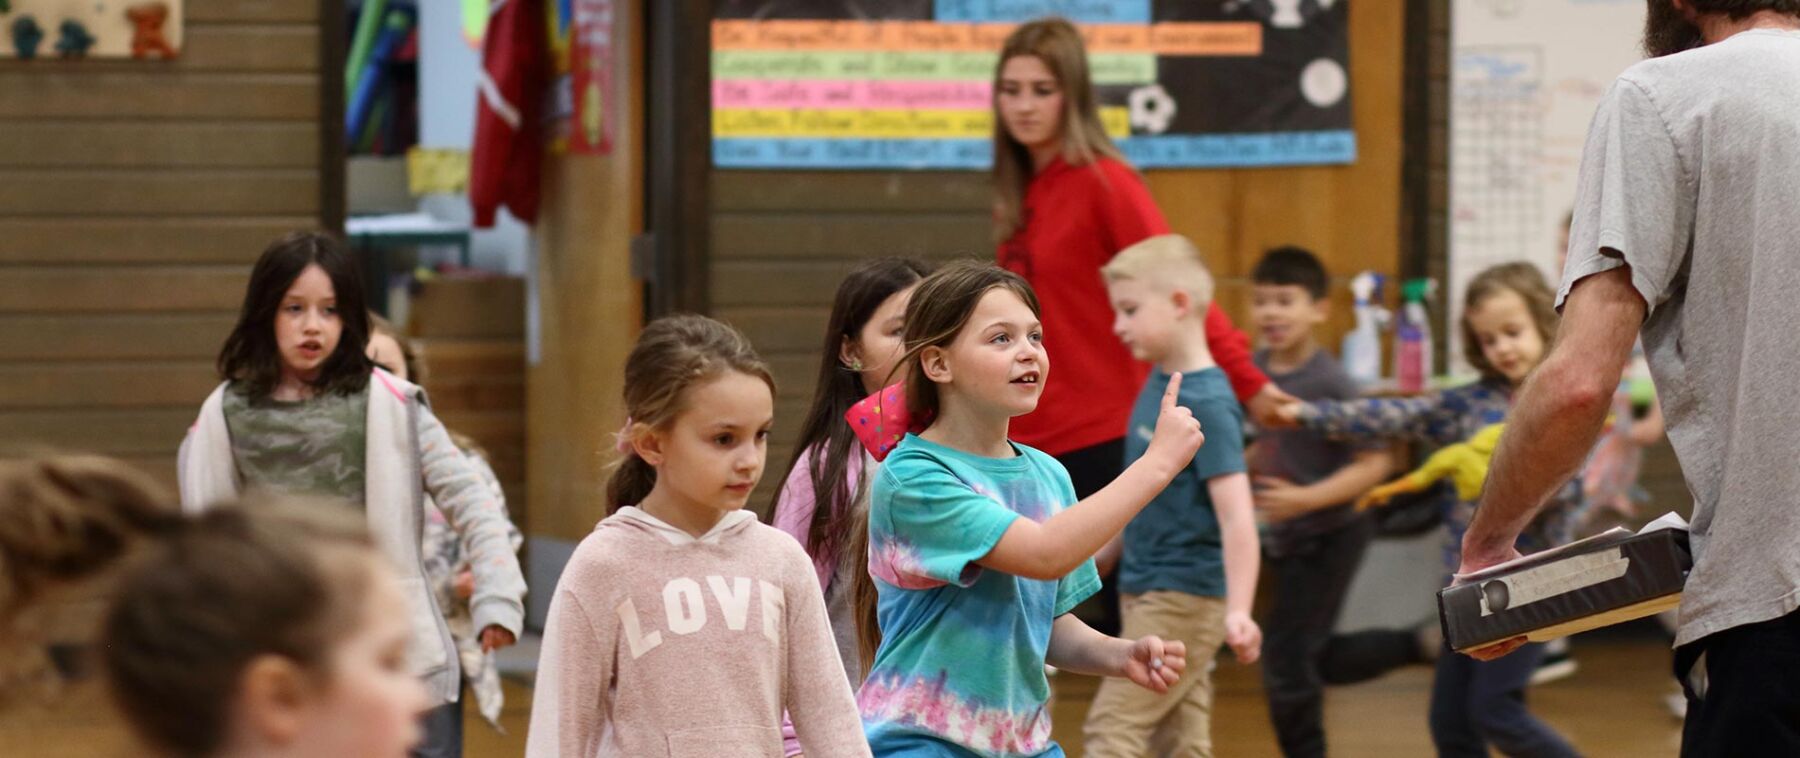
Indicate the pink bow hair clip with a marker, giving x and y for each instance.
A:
(881, 420)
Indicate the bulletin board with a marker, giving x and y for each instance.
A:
(1526, 76)
(75, 29)
(907, 84)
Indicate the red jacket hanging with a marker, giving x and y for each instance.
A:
(509, 139)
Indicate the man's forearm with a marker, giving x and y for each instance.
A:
(1559, 412)
(1550, 432)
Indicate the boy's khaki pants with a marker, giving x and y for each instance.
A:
(1126, 720)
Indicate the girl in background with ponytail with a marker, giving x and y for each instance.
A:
(824, 499)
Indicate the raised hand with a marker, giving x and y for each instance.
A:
(1178, 434)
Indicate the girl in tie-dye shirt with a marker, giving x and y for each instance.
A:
(977, 547)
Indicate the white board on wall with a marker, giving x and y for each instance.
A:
(1526, 76)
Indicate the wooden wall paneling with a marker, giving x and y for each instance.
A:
(107, 431)
(199, 12)
(250, 47)
(151, 94)
(851, 191)
(52, 144)
(804, 233)
(48, 289)
(1429, 204)
(96, 384)
(79, 239)
(133, 197)
(154, 192)
(334, 154)
(112, 336)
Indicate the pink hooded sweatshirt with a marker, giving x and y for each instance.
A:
(659, 644)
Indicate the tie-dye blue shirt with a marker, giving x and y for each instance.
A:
(960, 670)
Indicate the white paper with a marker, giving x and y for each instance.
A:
(1670, 520)
(1558, 577)
(400, 223)
(1609, 536)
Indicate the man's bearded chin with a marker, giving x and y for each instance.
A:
(1666, 32)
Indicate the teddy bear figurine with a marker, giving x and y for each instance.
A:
(147, 30)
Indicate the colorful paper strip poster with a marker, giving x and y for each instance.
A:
(909, 83)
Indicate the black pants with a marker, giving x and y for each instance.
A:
(1361, 656)
(1751, 702)
(1090, 469)
(443, 727)
(1310, 585)
(1476, 705)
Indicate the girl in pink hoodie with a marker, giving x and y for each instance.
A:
(682, 626)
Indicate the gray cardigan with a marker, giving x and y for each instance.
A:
(409, 454)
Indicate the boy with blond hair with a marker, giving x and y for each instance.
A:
(1189, 563)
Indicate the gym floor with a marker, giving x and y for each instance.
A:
(1613, 706)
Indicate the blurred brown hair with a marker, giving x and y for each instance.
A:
(1529, 284)
(197, 598)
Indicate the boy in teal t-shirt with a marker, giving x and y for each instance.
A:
(1188, 570)
(941, 613)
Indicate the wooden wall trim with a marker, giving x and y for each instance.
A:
(679, 139)
(332, 153)
(1425, 203)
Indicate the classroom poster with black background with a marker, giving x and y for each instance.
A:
(862, 84)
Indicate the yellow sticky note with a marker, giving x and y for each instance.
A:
(436, 170)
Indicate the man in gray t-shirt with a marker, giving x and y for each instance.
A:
(1687, 222)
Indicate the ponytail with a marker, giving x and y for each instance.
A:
(631, 480)
(68, 518)
(64, 522)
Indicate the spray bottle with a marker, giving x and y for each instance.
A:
(1362, 346)
(1412, 337)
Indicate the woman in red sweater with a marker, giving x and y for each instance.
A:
(1065, 202)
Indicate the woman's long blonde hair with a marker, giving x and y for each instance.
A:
(1056, 42)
